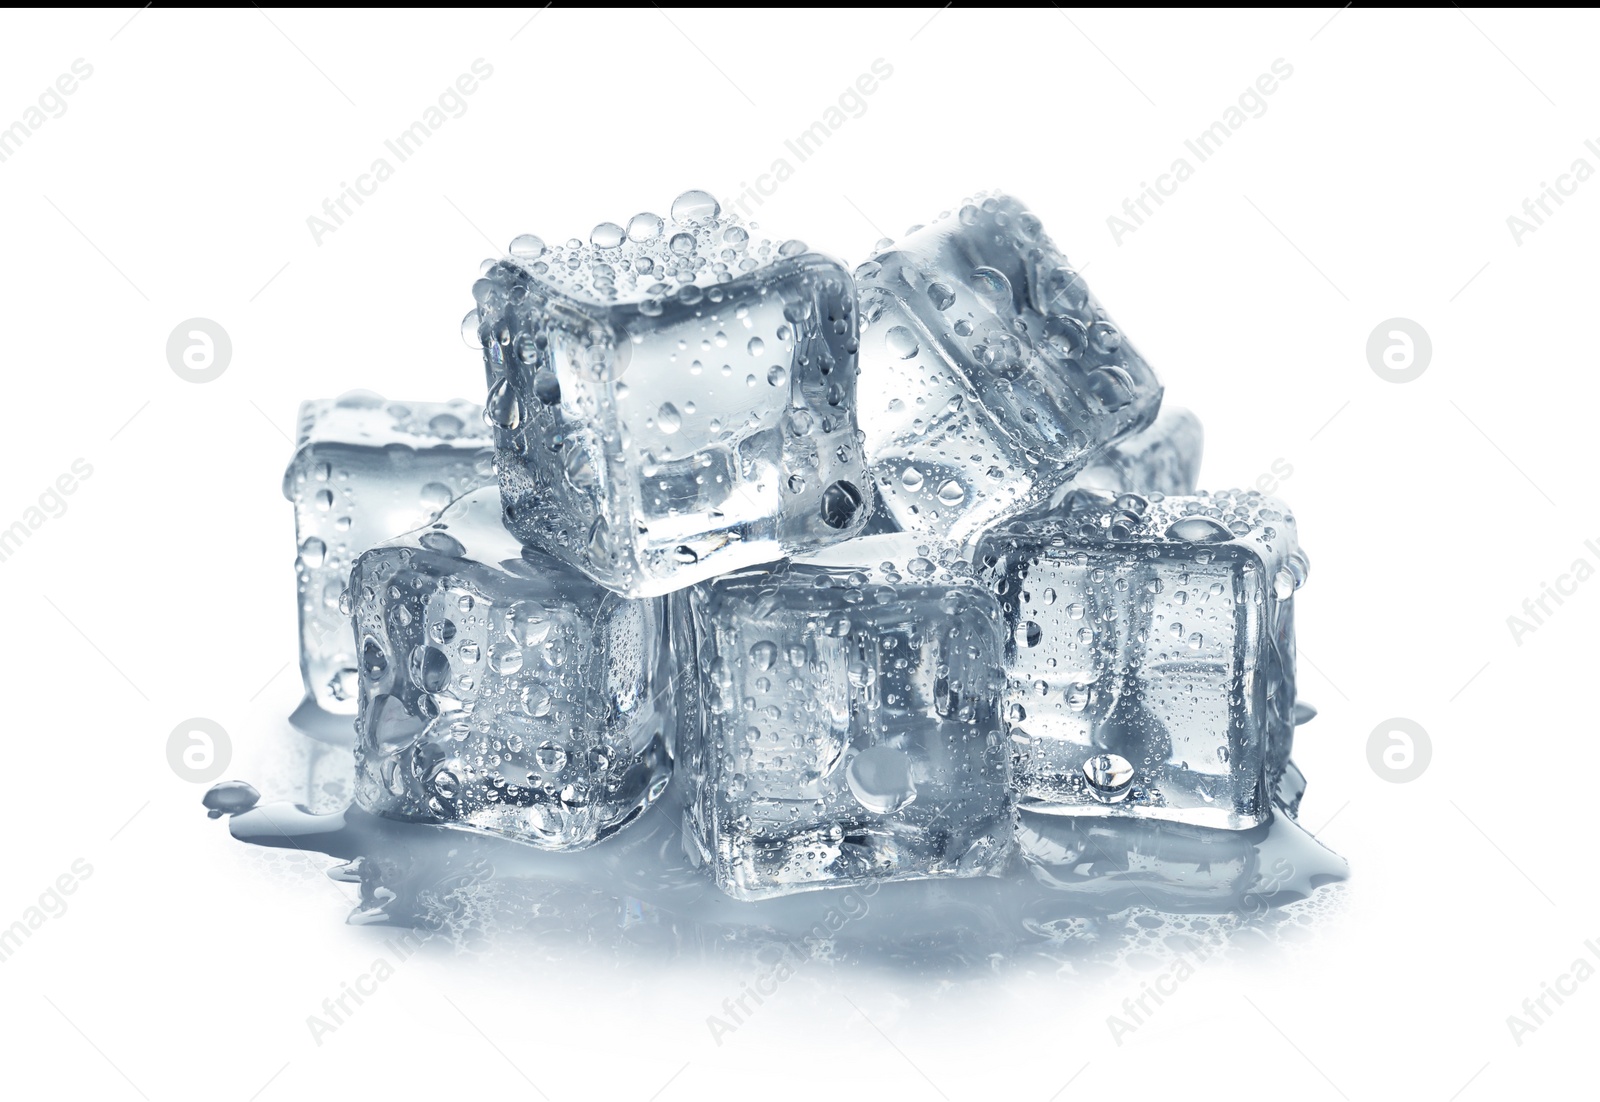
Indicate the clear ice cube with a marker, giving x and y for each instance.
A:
(675, 399)
(366, 470)
(843, 721)
(1150, 654)
(1163, 459)
(503, 691)
(989, 374)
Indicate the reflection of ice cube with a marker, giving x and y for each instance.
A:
(989, 374)
(365, 470)
(502, 690)
(1159, 633)
(675, 400)
(1163, 459)
(848, 722)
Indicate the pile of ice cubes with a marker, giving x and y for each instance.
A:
(879, 572)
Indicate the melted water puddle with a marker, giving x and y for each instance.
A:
(1079, 892)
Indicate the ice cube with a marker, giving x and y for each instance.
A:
(846, 723)
(1150, 653)
(989, 374)
(365, 470)
(1163, 459)
(675, 399)
(503, 691)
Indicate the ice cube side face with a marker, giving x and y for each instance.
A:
(503, 691)
(366, 470)
(1163, 459)
(989, 374)
(658, 442)
(849, 726)
(1160, 631)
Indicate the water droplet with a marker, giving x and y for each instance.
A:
(791, 248)
(840, 503)
(430, 668)
(507, 660)
(695, 205)
(1104, 338)
(607, 235)
(313, 552)
(535, 699)
(527, 246)
(503, 408)
(668, 419)
(777, 376)
(1031, 634)
(941, 295)
(756, 346)
(443, 543)
(862, 675)
(1112, 386)
(901, 342)
(1110, 776)
(682, 244)
(1077, 696)
(434, 496)
(230, 798)
(1283, 583)
(764, 654)
(992, 288)
(469, 330)
(951, 492)
(373, 661)
(880, 780)
(550, 758)
(644, 227)
(1198, 529)
(911, 479)
(547, 388)
(324, 500)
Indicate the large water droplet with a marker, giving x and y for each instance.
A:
(644, 227)
(503, 408)
(527, 246)
(992, 288)
(668, 419)
(911, 479)
(1198, 529)
(313, 552)
(880, 780)
(607, 235)
(764, 654)
(695, 205)
(951, 492)
(1111, 386)
(901, 342)
(840, 503)
(941, 295)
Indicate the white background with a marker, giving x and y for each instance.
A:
(1377, 184)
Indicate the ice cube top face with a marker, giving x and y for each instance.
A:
(674, 400)
(366, 470)
(849, 722)
(1163, 459)
(989, 373)
(503, 691)
(1150, 654)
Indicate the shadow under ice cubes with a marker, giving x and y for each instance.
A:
(502, 690)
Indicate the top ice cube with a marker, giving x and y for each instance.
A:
(674, 399)
(989, 374)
